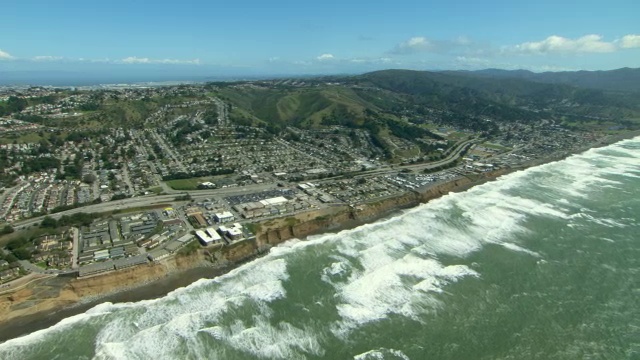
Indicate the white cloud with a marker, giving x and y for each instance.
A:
(413, 45)
(630, 41)
(473, 61)
(459, 45)
(184, 62)
(47, 58)
(558, 44)
(463, 40)
(383, 60)
(5, 55)
(137, 60)
(325, 57)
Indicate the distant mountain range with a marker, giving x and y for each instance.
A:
(625, 79)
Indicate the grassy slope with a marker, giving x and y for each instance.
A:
(472, 94)
(304, 106)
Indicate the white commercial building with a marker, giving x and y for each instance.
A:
(225, 216)
(274, 201)
(234, 232)
(209, 237)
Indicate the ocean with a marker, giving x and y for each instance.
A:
(539, 264)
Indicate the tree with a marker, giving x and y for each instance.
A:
(22, 253)
(49, 222)
(17, 243)
(118, 197)
(7, 229)
(89, 178)
(10, 258)
(16, 104)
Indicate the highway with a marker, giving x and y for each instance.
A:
(153, 200)
(455, 154)
(149, 200)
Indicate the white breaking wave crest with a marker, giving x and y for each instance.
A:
(399, 266)
(385, 280)
(382, 354)
(180, 319)
(600, 221)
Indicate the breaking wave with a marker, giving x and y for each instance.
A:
(305, 295)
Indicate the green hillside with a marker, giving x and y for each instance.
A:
(501, 98)
(305, 107)
(619, 80)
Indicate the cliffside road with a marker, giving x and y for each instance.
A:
(21, 282)
(34, 269)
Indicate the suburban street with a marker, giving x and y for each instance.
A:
(153, 200)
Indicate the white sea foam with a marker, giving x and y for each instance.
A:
(337, 271)
(515, 247)
(389, 281)
(377, 270)
(392, 286)
(12, 349)
(600, 221)
(381, 354)
(175, 322)
(263, 340)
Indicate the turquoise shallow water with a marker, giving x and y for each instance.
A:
(541, 264)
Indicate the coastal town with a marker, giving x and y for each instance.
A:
(92, 200)
(279, 180)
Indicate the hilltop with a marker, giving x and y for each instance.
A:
(624, 79)
(464, 99)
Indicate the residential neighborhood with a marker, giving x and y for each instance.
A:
(210, 175)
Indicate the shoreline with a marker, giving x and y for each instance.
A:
(158, 280)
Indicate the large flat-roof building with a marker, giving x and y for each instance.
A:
(234, 232)
(224, 217)
(199, 219)
(274, 201)
(208, 236)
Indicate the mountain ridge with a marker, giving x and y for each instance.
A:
(623, 79)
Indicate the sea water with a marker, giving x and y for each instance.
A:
(540, 264)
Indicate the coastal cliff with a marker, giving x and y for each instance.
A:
(274, 232)
(55, 293)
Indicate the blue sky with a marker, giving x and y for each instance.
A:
(246, 37)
